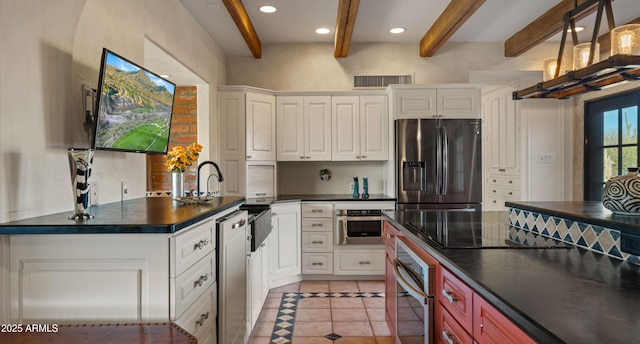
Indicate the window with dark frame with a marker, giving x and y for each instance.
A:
(610, 140)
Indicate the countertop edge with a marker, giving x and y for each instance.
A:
(534, 329)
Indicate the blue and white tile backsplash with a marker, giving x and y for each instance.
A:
(592, 237)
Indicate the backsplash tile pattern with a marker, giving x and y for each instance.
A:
(592, 237)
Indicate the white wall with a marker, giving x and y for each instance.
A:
(48, 49)
(303, 178)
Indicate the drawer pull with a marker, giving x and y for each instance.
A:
(316, 263)
(317, 225)
(301, 157)
(317, 242)
(452, 298)
(201, 280)
(510, 193)
(446, 338)
(316, 210)
(365, 262)
(261, 193)
(248, 156)
(238, 224)
(494, 191)
(494, 180)
(201, 244)
(511, 182)
(203, 317)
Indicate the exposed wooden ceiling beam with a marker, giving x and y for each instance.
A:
(456, 14)
(541, 29)
(605, 40)
(346, 20)
(241, 18)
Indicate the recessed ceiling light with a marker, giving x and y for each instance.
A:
(397, 30)
(322, 31)
(267, 9)
(578, 29)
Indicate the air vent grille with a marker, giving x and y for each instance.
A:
(371, 81)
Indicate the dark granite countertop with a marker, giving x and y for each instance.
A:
(588, 212)
(556, 295)
(141, 215)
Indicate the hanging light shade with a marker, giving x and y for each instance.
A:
(625, 40)
(549, 68)
(581, 55)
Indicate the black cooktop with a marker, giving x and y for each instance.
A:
(467, 229)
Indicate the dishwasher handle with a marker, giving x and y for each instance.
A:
(408, 287)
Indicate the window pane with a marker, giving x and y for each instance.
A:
(630, 125)
(610, 128)
(610, 163)
(629, 158)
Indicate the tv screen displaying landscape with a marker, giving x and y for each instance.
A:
(134, 107)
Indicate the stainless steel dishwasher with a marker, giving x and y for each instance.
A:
(234, 243)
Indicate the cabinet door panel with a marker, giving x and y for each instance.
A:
(414, 103)
(448, 330)
(456, 297)
(317, 119)
(490, 326)
(261, 127)
(285, 237)
(345, 128)
(374, 128)
(290, 132)
(459, 103)
(359, 262)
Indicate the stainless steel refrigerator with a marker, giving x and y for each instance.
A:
(439, 164)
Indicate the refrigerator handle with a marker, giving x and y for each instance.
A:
(445, 160)
(438, 161)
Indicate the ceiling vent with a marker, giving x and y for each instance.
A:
(380, 81)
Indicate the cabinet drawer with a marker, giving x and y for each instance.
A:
(199, 319)
(510, 182)
(318, 224)
(360, 262)
(317, 210)
(190, 245)
(317, 263)
(493, 180)
(317, 242)
(448, 330)
(186, 288)
(456, 297)
(509, 193)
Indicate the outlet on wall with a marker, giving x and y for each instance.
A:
(124, 190)
(350, 187)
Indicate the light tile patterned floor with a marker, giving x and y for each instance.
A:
(310, 312)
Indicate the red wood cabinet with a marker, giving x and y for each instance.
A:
(389, 235)
(447, 328)
(456, 297)
(491, 326)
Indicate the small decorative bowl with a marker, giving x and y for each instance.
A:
(621, 194)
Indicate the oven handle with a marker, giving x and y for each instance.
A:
(397, 265)
(341, 233)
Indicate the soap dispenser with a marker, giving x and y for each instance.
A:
(355, 188)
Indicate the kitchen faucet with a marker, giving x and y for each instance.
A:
(198, 174)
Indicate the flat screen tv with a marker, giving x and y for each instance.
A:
(134, 106)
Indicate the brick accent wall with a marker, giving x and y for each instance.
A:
(184, 131)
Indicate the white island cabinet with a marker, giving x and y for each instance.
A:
(124, 268)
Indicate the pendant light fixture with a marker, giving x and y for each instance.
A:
(589, 73)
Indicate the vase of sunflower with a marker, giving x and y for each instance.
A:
(179, 158)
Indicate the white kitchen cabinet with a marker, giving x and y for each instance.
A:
(303, 128)
(247, 141)
(429, 101)
(234, 243)
(317, 238)
(261, 126)
(285, 260)
(360, 128)
(258, 281)
(359, 262)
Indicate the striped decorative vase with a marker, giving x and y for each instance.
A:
(621, 194)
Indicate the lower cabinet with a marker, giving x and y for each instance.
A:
(390, 234)
(200, 319)
(258, 282)
(317, 238)
(462, 316)
(285, 259)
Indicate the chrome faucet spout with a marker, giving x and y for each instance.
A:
(220, 178)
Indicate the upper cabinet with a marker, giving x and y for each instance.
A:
(431, 101)
(261, 126)
(360, 128)
(303, 128)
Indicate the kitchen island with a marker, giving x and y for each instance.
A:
(143, 260)
(555, 295)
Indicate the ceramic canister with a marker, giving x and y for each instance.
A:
(621, 194)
